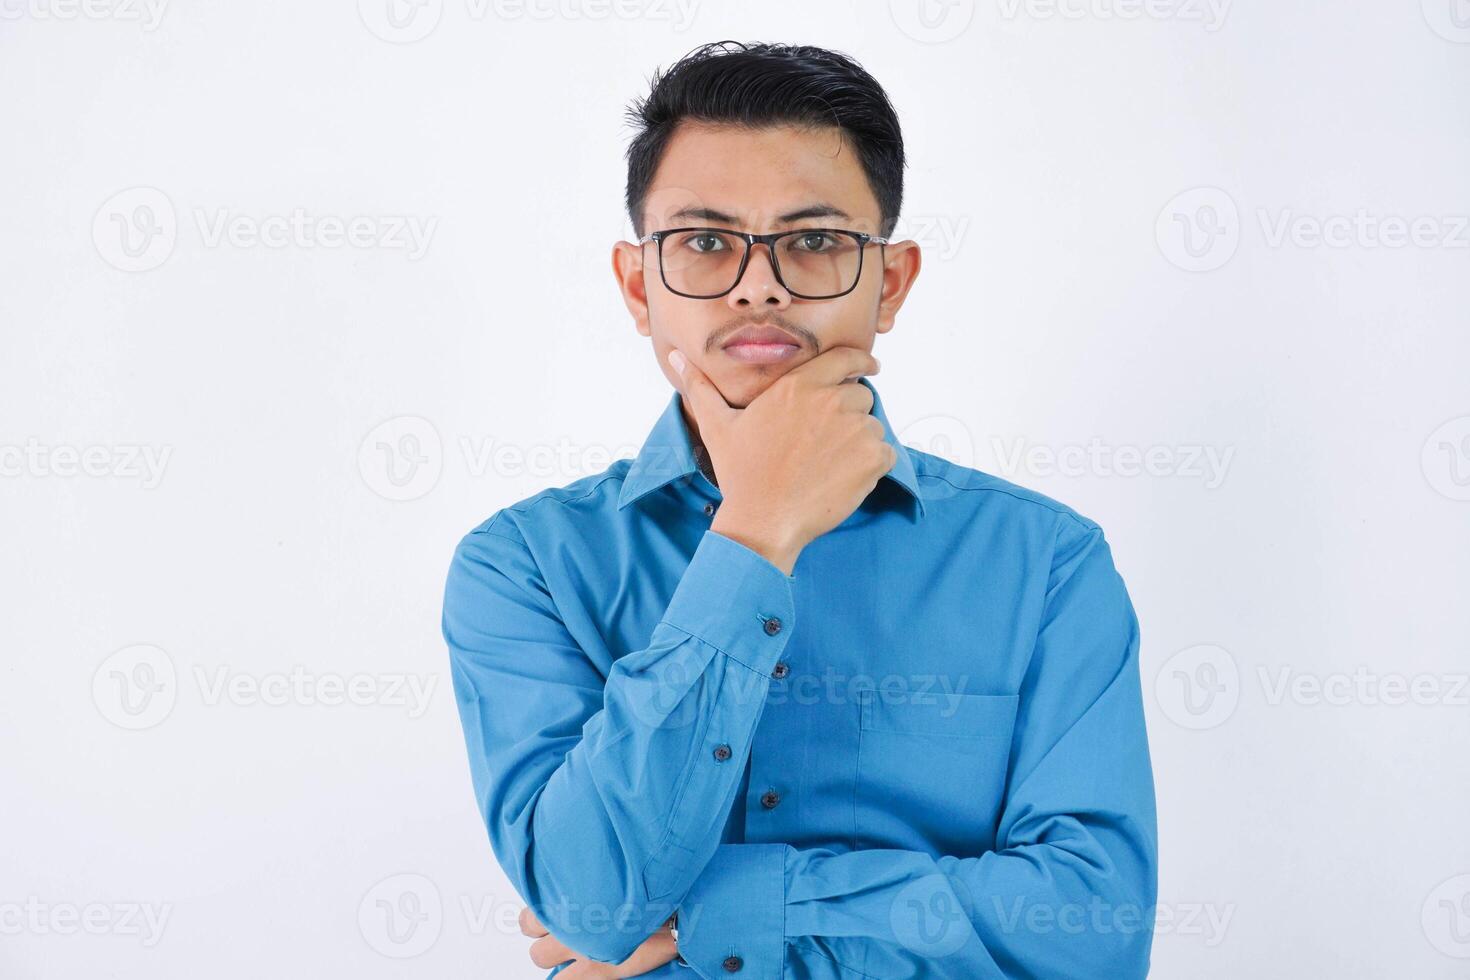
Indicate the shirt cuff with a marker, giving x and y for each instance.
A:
(732, 923)
(733, 598)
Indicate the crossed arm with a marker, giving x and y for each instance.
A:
(605, 798)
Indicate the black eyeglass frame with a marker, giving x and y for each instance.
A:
(769, 241)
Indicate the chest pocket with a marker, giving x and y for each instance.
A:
(931, 770)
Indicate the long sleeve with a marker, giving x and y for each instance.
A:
(1068, 890)
(605, 797)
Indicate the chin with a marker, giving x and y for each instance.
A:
(744, 384)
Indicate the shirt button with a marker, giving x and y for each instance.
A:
(722, 753)
(733, 964)
(709, 510)
(781, 671)
(770, 798)
(773, 626)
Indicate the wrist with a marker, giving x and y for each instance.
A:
(776, 545)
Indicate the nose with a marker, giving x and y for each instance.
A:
(758, 285)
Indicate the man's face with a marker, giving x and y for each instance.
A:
(761, 181)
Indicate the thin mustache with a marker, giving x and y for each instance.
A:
(800, 333)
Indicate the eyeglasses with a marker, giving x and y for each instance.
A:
(810, 263)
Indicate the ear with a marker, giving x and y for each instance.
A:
(901, 263)
(627, 262)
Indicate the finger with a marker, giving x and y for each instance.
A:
(855, 398)
(590, 970)
(530, 925)
(834, 365)
(549, 951)
(704, 399)
(656, 950)
(651, 954)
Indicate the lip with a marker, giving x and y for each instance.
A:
(761, 345)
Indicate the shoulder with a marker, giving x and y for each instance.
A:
(949, 485)
(588, 496)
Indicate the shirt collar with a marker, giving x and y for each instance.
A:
(668, 455)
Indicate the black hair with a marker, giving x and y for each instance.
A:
(767, 85)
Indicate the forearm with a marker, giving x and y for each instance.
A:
(603, 836)
(1040, 910)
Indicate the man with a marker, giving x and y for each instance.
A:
(781, 697)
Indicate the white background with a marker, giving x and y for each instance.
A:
(1312, 799)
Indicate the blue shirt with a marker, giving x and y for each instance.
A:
(921, 754)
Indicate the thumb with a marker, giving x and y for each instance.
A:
(704, 399)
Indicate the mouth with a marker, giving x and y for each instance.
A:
(761, 345)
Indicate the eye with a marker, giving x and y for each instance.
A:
(813, 241)
(705, 243)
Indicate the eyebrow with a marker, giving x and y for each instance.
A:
(810, 211)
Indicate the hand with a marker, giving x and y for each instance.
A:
(548, 951)
(796, 461)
